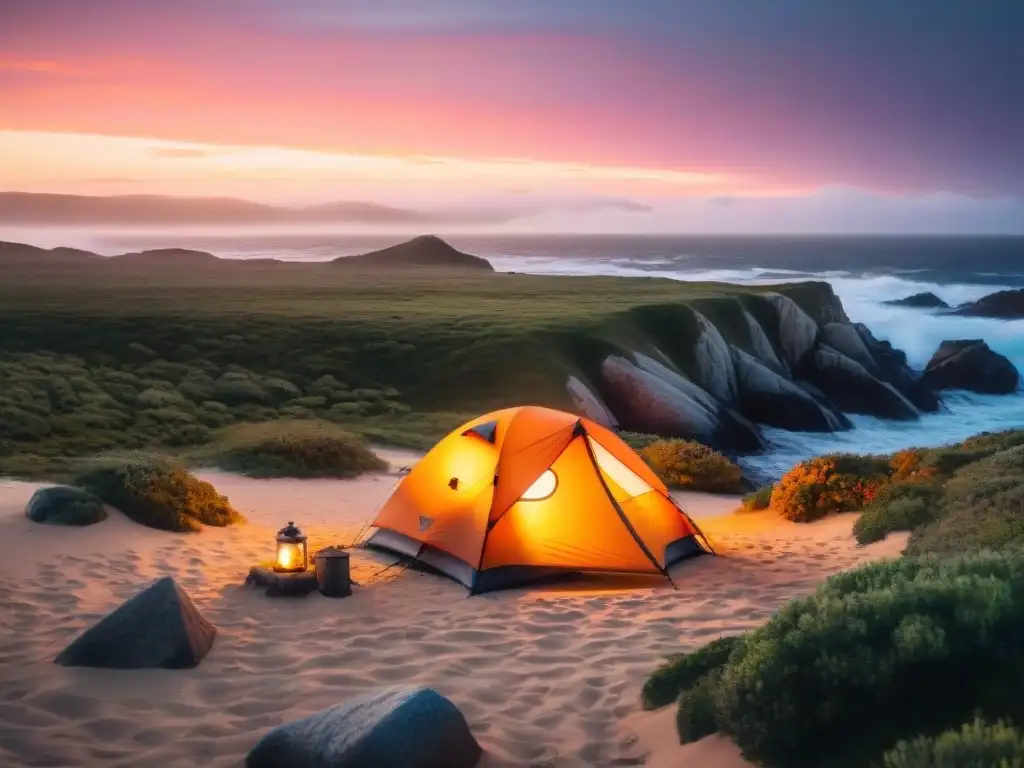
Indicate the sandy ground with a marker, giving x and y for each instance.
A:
(545, 676)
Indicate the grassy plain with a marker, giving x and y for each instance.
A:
(160, 355)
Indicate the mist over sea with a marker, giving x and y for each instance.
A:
(864, 271)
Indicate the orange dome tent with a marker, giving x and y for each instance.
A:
(526, 492)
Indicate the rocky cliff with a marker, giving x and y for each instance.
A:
(713, 369)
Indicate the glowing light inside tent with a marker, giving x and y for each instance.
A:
(628, 480)
(542, 488)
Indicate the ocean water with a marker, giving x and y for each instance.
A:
(864, 271)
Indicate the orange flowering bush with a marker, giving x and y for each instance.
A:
(828, 484)
(909, 466)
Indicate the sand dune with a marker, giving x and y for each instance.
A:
(547, 676)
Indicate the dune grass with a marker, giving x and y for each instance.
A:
(291, 449)
(144, 356)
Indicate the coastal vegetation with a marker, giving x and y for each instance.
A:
(144, 355)
(860, 672)
(692, 466)
(156, 492)
(162, 350)
(290, 449)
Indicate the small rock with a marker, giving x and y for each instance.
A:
(972, 365)
(925, 300)
(402, 727)
(64, 505)
(159, 628)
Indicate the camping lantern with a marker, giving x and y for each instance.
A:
(292, 556)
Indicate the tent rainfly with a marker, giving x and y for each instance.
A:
(523, 493)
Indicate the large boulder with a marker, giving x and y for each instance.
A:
(739, 433)
(677, 380)
(797, 330)
(589, 404)
(851, 386)
(970, 364)
(1007, 305)
(925, 300)
(893, 368)
(768, 398)
(647, 396)
(64, 505)
(845, 338)
(713, 363)
(159, 628)
(400, 727)
(761, 347)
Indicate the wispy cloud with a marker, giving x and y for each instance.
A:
(179, 152)
(42, 66)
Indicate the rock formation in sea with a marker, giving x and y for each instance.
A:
(791, 359)
(927, 300)
(970, 364)
(1004, 305)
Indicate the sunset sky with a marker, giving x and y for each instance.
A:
(735, 115)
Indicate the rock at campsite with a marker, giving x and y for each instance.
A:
(159, 628)
(970, 364)
(64, 505)
(401, 727)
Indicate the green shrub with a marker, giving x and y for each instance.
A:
(688, 464)
(159, 398)
(314, 401)
(759, 499)
(993, 522)
(975, 745)
(898, 507)
(197, 385)
(293, 449)
(695, 713)
(982, 504)
(235, 388)
(683, 671)
(17, 423)
(281, 389)
(141, 350)
(158, 493)
(889, 649)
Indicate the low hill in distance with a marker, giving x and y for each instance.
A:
(17, 254)
(423, 251)
(426, 251)
(177, 256)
